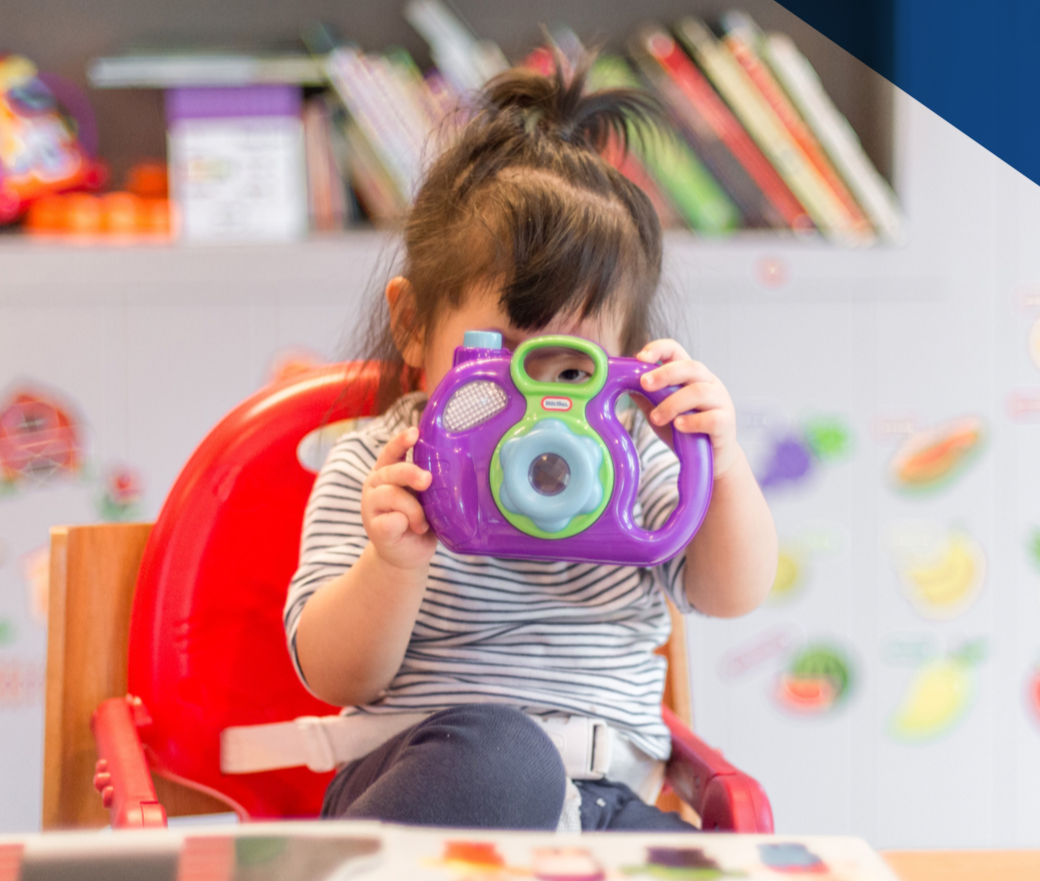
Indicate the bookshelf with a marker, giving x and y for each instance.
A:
(62, 38)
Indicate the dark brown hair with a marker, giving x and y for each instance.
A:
(523, 201)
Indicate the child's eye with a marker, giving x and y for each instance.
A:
(572, 374)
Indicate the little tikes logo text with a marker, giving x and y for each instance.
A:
(556, 404)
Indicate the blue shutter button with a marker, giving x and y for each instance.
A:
(482, 339)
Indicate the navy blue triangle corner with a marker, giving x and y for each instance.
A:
(975, 64)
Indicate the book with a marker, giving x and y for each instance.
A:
(717, 135)
(762, 124)
(690, 187)
(165, 70)
(803, 86)
(465, 61)
(742, 38)
(326, 204)
(236, 162)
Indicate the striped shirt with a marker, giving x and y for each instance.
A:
(544, 637)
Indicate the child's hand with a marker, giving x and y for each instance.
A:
(700, 390)
(392, 516)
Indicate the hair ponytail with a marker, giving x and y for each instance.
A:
(523, 204)
(559, 106)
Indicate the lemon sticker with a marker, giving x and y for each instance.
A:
(939, 696)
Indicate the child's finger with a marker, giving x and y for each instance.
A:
(389, 499)
(387, 528)
(398, 447)
(400, 474)
(676, 373)
(697, 396)
(662, 350)
(710, 422)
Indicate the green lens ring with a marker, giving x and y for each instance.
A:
(583, 391)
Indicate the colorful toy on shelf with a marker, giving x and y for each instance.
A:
(39, 154)
(531, 469)
(141, 212)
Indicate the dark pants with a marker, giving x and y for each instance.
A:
(480, 766)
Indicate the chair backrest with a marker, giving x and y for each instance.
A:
(206, 645)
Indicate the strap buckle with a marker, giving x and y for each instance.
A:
(585, 745)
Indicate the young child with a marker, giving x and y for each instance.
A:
(457, 662)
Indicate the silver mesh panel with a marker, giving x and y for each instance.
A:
(474, 403)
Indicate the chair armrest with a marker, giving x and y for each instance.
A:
(726, 799)
(123, 777)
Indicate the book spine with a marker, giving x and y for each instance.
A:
(353, 81)
(741, 40)
(631, 167)
(802, 84)
(690, 187)
(761, 123)
(707, 119)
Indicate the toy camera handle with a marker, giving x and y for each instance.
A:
(696, 466)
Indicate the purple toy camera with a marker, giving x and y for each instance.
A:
(543, 470)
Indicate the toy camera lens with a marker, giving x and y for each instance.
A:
(549, 474)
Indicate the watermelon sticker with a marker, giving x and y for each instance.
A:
(817, 679)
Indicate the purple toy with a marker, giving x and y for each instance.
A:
(544, 470)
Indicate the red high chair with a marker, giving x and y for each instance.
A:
(202, 647)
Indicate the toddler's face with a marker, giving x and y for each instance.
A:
(482, 311)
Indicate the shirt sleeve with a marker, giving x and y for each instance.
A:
(333, 534)
(658, 495)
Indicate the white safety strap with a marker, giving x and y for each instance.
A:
(588, 747)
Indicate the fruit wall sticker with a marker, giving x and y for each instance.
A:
(817, 679)
(939, 695)
(785, 453)
(40, 437)
(815, 539)
(942, 570)
(1032, 694)
(120, 495)
(790, 574)
(932, 457)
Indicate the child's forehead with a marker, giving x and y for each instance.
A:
(482, 309)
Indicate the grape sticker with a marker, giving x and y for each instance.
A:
(787, 454)
(817, 679)
(933, 457)
(939, 695)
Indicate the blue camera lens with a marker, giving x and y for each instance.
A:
(549, 474)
